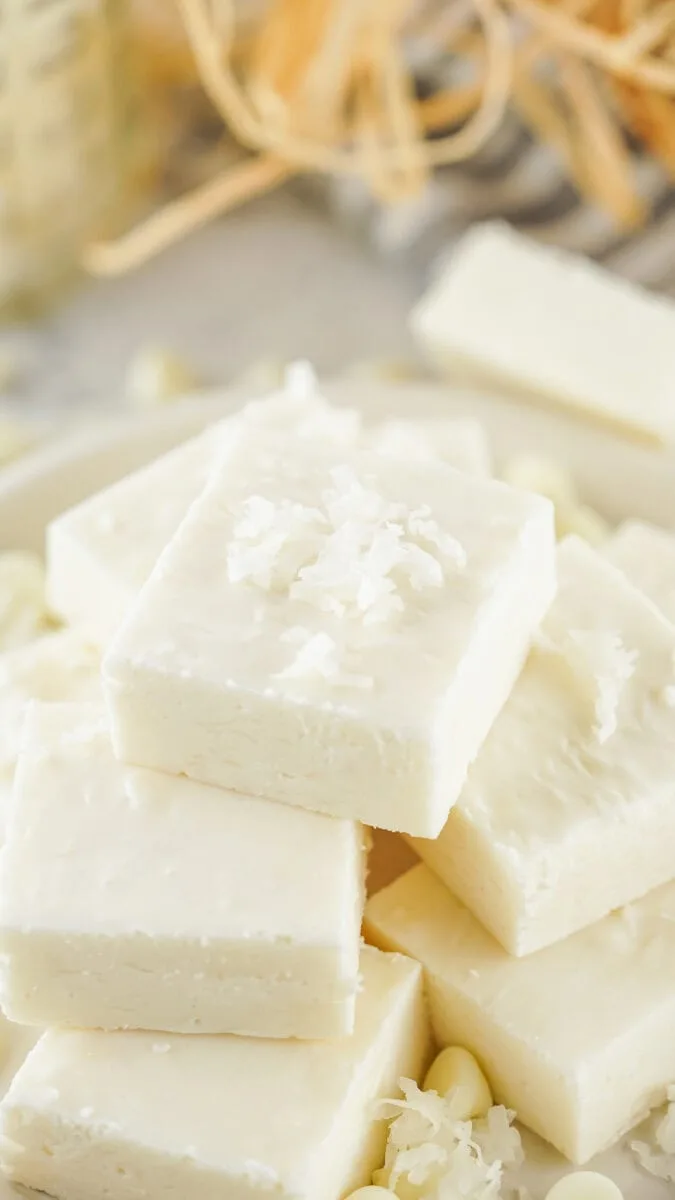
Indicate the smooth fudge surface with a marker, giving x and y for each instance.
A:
(359, 622)
(100, 553)
(508, 309)
(131, 899)
(569, 809)
(579, 1038)
(118, 1115)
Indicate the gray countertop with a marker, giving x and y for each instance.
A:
(272, 280)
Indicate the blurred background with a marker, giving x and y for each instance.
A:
(203, 189)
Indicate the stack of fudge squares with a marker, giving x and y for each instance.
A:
(289, 632)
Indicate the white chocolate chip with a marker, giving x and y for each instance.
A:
(157, 377)
(456, 1070)
(585, 1185)
(371, 1193)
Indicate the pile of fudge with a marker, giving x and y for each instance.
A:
(294, 630)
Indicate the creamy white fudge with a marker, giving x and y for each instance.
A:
(569, 809)
(58, 666)
(130, 899)
(93, 1115)
(333, 631)
(508, 309)
(100, 553)
(578, 1038)
(646, 555)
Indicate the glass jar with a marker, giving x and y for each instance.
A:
(74, 146)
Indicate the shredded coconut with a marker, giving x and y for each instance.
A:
(356, 554)
(600, 665)
(442, 1158)
(318, 657)
(660, 1161)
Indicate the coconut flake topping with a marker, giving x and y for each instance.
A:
(660, 1161)
(600, 665)
(445, 1158)
(355, 554)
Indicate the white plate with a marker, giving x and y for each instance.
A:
(620, 478)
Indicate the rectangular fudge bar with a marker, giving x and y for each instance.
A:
(113, 1116)
(130, 899)
(569, 809)
(100, 553)
(579, 1038)
(357, 621)
(646, 555)
(537, 317)
(59, 666)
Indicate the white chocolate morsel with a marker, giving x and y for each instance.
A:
(270, 620)
(585, 1185)
(130, 899)
(577, 1067)
(99, 1114)
(535, 473)
(456, 1070)
(568, 811)
(548, 478)
(23, 606)
(509, 310)
(157, 376)
(372, 1192)
(583, 521)
(646, 555)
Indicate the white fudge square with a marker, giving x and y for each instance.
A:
(100, 553)
(578, 1039)
(646, 555)
(513, 311)
(122, 1115)
(130, 899)
(58, 666)
(337, 634)
(569, 810)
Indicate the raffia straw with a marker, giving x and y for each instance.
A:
(167, 226)
(397, 165)
(595, 46)
(322, 85)
(608, 175)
